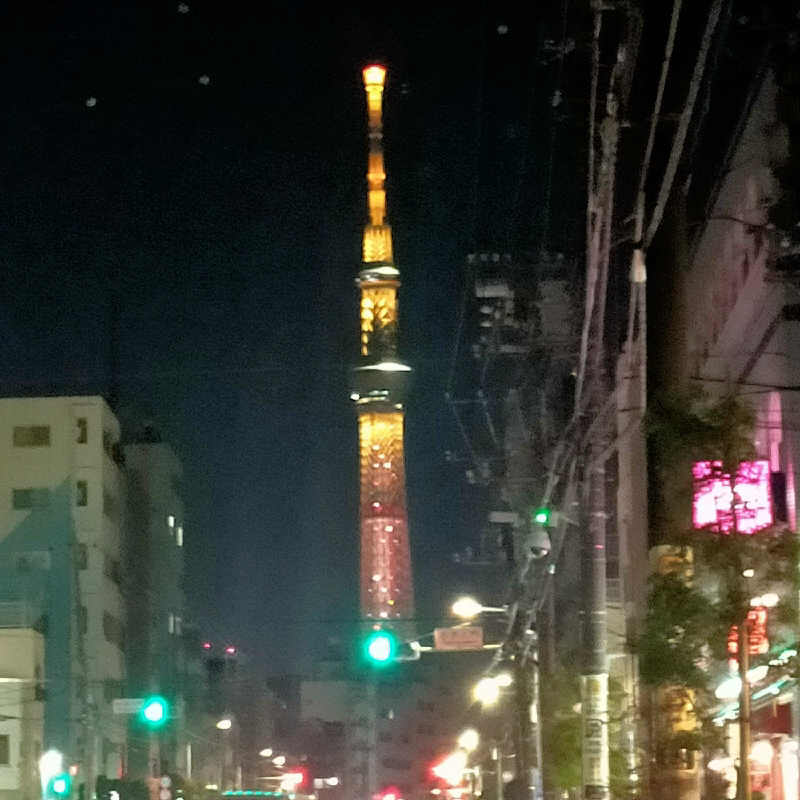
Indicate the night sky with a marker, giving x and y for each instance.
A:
(226, 214)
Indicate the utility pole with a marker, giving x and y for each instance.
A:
(590, 405)
(744, 789)
(528, 723)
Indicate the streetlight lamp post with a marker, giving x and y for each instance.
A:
(526, 692)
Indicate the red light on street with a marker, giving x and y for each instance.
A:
(230, 650)
(206, 645)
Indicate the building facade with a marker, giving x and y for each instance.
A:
(22, 679)
(154, 568)
(61, 506)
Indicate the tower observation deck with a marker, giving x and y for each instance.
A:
(378, 389)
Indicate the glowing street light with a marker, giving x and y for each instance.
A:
(469, 740)
(279, 761)
(225, 724)
(469, 608)
(266, 752)
(486, 691)
(504, 680)
(466, 607)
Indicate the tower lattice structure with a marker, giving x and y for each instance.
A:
(379, 387)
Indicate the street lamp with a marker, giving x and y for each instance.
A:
(469, 608)
(225, 724)
(486, 691)
(469, 740)
(266, 752)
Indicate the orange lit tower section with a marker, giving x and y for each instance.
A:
(379, 388)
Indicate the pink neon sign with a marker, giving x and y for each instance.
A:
(746, 509)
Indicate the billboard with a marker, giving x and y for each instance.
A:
(746, 507)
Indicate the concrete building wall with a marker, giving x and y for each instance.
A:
(61, 506)
(22, 725)
(153, 561)
(745, 334)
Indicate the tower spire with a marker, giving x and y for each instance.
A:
(377, 246)
(379, 388)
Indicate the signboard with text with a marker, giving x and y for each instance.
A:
(463, 637)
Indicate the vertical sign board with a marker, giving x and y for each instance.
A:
(595, 737)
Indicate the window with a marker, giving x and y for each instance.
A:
(110, 505)
(82, 493)
(31, 436)
(179, 536)
(111, 569)
(111, 689)
(83, 620)
(81, 556)
(5, 750)
(29, 498)
(171, 623)
(81, 430)
(112, 630)
(171, 521)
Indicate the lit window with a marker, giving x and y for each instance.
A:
(31, 436)
(171, 623)
(179, 536)
(82, 493)
(171, 521)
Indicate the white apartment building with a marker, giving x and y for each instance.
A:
(61, 503)
(22, 721)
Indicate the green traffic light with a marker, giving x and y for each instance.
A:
(380, 647)
(61, 785)
(541, 516)
(154, 711)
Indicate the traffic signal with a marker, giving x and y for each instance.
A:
(154, 712)
(59, 786)
(380, 647)
(541, 515)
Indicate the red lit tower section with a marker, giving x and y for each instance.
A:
(379, 388)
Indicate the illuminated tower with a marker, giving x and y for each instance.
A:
(379, 387)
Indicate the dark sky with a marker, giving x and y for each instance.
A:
(227, 219)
